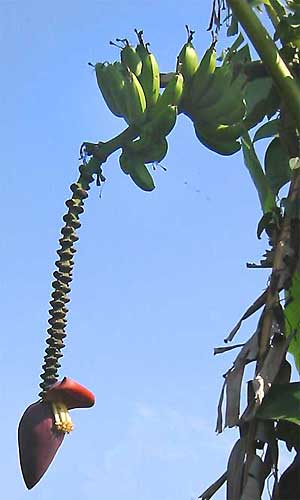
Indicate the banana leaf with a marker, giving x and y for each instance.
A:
(292, 315)
(277, 166)
(282, 403)
(268, 129)
(265, 194)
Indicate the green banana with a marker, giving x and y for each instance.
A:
(220, 80)
(130, 58)
(229, 108)
(204, 73)
(171, 94)
(222, 148)
(187, 60)
(124, 161)
(161, 123)
(223, 132)
(148, 150)
(134, 167)
(111, 84)
(222, 139)
(141, 177)
(149, 76)
(135, 101)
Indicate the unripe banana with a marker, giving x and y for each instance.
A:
(223, 132)
(220, 81)
(172, 93)
(228, 109)
(203, 75)
(130, 58)
(149, 76)
(221, 140)
(187, 60)
(111, 88)
(141, 177)
(162, 123)
(148, 149)
(135, 100)
(132, 165)
(125, 162)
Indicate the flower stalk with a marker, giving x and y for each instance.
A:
(63, 276)
(288, 87)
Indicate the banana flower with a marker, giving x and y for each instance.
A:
(44, 424)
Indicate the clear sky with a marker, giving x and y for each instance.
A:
(159, 277)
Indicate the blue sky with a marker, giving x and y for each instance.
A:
(159, 278)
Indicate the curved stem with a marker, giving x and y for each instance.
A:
(267, 50)
(273, 16)
(103, 150)
(63, 277)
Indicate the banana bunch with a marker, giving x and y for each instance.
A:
(131, 89)
(215, 103)
(121, 91)
(136, 154)
(152, 145)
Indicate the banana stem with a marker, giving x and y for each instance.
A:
(273, 16)
(251, 160)
(63, 277)
(103, 150)
(267, 50)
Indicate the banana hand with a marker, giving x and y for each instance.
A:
(111, 84)
(137, 170)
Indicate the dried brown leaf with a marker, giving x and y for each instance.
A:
(265, 377)
(233, 395)
(209, 493)
(234, 380)
(221, 350)
(255, 480)
(257, 304)
(219, 425)
(235, 470)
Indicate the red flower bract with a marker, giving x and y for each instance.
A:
(38, 442)
(72, 394)
(43, 425)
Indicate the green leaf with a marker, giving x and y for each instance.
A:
(257, 91)
(277, 166)
(266, 197)
(278, 7)
(241, 56)
(237, 43)
(288, 30)
(281, 403)
(233, 28)
(261, 100)
(267, 130)
(292, 315)
(258, 3)
(288, 432)
(267, 221)
(237, 54)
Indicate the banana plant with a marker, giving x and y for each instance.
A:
(233, 102)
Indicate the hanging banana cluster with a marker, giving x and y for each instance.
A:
(131, 90)
(214, 100)
(63, 278)
(217, 98)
